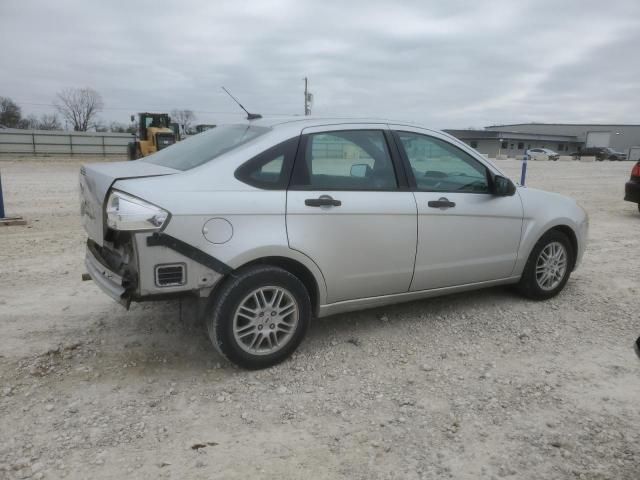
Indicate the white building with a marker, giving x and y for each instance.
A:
(514, 139)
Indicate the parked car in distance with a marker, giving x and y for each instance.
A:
(615, 155)
(542, 154)
(633, 154)
(274, 222)
(632, 187)
(600, 153)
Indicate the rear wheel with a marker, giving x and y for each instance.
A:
(133, 151)
(548, 267)
(259, 316)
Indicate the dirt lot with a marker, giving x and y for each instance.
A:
(479, 385)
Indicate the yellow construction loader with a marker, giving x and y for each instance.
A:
(155, 132)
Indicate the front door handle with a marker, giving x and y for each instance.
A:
(442, 202)
(322, 201)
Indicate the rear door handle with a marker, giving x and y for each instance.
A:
(322, 201)
(442, 202)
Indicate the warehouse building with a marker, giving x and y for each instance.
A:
(514, 144)
(514, 139)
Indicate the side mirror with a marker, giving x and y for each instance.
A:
(359, 170)
(503, 187)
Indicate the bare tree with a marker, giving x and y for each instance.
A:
(117, 127)
(184, 117)
(80, 106)
(10, 113)
(99, 126)
(49, 122)
(29, 123)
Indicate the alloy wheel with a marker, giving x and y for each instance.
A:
(265, 320)
(551, 266)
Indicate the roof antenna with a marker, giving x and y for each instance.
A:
(250, 116)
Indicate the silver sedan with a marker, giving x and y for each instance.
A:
(270, 223)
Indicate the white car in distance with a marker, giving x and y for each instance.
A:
(542, 154)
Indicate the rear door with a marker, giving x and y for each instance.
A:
(465, 233)
(351, 213)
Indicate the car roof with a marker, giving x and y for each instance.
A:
(312, 121)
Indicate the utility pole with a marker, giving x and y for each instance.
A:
(307, 111)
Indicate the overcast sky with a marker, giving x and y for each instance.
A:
(452, 64)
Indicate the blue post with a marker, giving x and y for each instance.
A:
(1, 200)
(523, 176)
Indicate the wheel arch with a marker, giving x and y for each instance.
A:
(573, 239)
(533, 233)
(311, 277)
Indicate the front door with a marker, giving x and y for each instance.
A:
(465, 233)
(346, 212)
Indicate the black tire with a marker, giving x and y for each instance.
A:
(639, 207)
(133, 151)
(227, 299)
(528, 284)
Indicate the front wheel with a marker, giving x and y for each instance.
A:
(548, 267)
(259, 316)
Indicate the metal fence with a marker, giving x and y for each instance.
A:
(47, 142)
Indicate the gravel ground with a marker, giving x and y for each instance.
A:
(476, 385)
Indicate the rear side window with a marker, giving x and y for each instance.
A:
(270, 169)
(345, 160)
(205, 146)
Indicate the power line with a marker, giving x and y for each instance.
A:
(129, 109)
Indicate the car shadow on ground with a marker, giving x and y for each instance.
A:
(155, 333)
(630, 214)
(423, 311)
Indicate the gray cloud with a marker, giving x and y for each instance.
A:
(446, 64)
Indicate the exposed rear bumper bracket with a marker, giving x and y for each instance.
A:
(109, 281)
(160, 239)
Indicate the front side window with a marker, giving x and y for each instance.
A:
(438, 166)
(346, 160)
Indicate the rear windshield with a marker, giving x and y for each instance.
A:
(205, 146)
